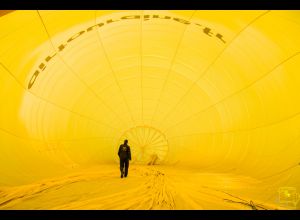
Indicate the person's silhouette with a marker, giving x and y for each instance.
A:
(124, 155)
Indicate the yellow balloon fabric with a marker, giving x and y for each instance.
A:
(212, 91)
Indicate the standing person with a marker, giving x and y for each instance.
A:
(124, 155)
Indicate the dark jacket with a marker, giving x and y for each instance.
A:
(124, 152)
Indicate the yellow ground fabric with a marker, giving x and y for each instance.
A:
(212, 93)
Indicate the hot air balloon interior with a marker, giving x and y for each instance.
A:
(209, 102)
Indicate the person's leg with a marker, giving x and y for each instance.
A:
(121, 167)
(126, 167)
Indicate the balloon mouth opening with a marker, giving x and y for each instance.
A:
(149, 146)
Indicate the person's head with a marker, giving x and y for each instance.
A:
(125, 141)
